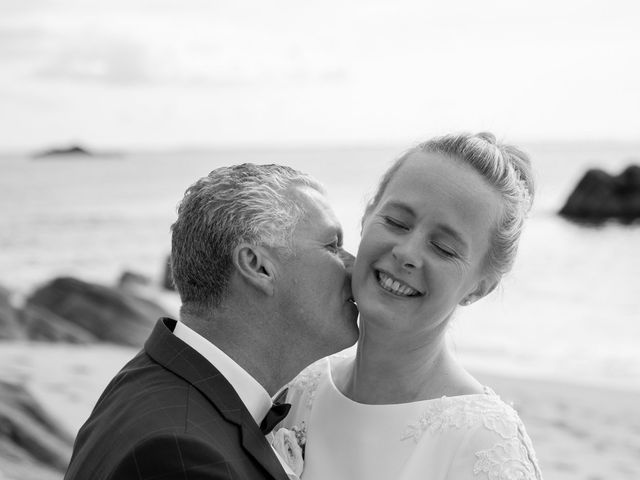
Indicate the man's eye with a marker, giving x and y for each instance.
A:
(333, 247)
(395, 223)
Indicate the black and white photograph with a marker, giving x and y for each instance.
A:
(366, 240)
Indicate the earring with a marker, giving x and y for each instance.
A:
(466, 302)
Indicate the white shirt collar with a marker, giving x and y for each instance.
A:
(252, 394)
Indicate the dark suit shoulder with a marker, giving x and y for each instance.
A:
(169, 411)
(142, 402)
(173, 456)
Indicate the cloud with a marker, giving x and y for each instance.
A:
(165, 44)
(120, 62)
(374, 69)
(18, 42)
(115, 59)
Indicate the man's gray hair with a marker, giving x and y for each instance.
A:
(241, 203)
(503, 166)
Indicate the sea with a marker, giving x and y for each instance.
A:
(568, 311)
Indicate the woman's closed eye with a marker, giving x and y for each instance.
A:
(445, 250)
(394, 223)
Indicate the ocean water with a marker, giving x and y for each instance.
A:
(569, 310)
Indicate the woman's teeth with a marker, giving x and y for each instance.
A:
(393, 286)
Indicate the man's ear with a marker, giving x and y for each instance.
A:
(483, 288)
(255, 265)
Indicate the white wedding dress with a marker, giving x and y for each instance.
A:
(455, 438)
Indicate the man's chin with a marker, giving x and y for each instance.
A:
(349, 337)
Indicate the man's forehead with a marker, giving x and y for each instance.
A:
(308, 198)
(317, 209)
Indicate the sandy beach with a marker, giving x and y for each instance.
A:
(579, 432)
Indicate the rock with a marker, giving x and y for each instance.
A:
(29, 437)
(111, 315)
(10, 328)
(167, 279)
(599, 197)
(142, 288)
(75, 152)
(40, 324)
(72, 150)
(132, 280)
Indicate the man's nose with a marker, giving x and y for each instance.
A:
(347, 259)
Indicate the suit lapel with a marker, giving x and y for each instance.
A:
(175, 355)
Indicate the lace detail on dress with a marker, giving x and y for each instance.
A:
(466, 412)
(513, 458)
(510, 460)
(308, 380)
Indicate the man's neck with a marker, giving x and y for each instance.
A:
(252, 345)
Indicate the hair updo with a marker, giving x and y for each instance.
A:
(503, 166)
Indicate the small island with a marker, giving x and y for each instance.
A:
(72, 151)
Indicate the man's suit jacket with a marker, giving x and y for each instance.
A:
(169, 414)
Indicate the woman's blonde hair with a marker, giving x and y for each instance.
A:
(505, 167)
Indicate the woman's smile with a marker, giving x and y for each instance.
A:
(395, 286)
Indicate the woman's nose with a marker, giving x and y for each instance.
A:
(408, 251)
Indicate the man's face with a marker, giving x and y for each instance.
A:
(315, 285)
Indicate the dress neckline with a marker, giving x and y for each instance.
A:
(372, 406)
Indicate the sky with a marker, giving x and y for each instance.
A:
(204, 73)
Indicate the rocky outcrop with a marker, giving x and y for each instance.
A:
(108, 314)
(41, 325)
(72, 150)
(9, 323)
(132, 280)
(32, 443)
(600, 196)
(167, 278)
(76, 152)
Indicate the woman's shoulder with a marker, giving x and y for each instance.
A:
(496, 444)
(489, 438)
(465, 413)
(302, 389)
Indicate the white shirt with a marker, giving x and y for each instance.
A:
(252, 394)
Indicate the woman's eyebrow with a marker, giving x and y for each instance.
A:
(453, 233)
(400, 206)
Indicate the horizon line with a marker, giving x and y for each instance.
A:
(283, 146)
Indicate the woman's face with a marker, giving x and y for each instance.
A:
(423, 246)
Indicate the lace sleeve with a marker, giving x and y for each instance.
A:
(507, 459)
(498, 449)
(301, 393)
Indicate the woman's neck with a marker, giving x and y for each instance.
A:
(401, 370)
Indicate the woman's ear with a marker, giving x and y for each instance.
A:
(255, 265)
(483, 288)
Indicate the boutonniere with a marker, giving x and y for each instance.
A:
(289, 444)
